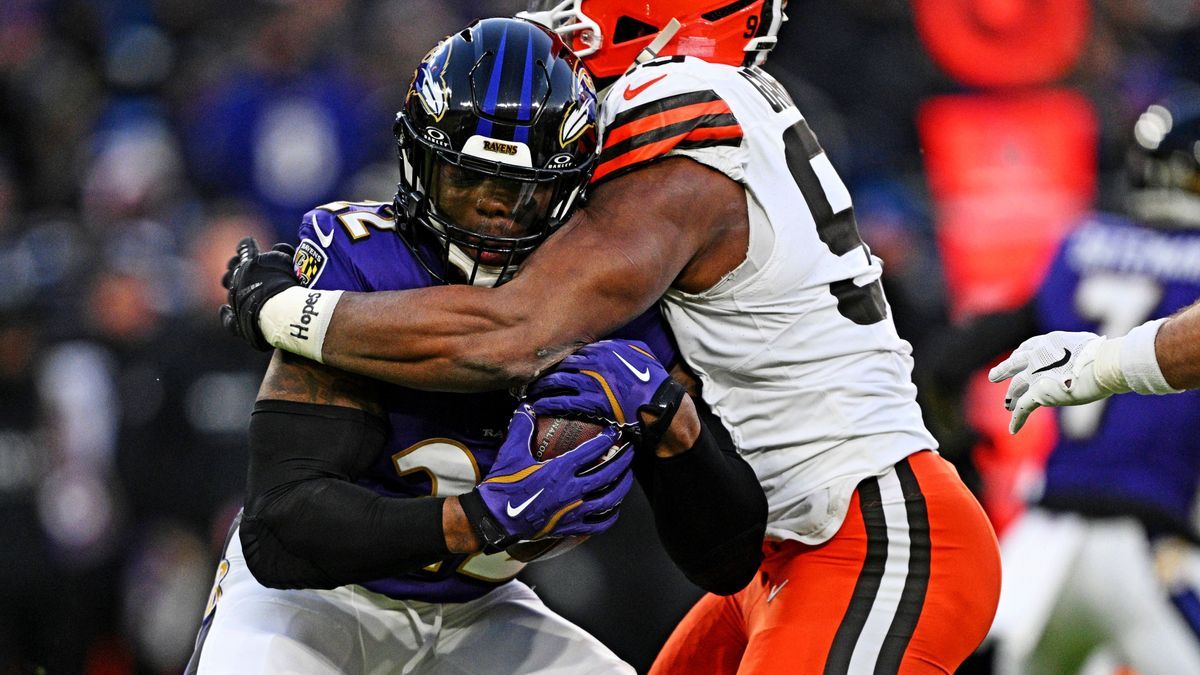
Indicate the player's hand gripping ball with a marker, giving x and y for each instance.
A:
(554, 437)
(524, 499)
(614, 382)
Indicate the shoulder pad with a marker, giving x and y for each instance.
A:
(651, 111)
(336, 249)
(354, 219)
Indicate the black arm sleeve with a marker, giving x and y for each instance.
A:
(306, 524)
(709, 509)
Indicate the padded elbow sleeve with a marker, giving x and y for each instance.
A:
(711, 515)
(306, 524)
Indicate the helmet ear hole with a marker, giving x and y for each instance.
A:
(629, 28)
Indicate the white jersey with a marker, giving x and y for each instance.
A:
(796, 350)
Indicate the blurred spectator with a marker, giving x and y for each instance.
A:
(135, 169)
(40, 618)
(182, 455)
(57, 494)
(286, 128)
(182, 448)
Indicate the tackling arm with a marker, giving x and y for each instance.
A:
(671, 222)
(709, 508)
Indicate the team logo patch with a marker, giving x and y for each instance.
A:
(430, 81)
(309, 262)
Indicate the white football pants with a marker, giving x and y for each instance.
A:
(1072, 585)
(253, 629)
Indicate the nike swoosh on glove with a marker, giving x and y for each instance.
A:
(522, 498)
(1055, 369)
(611, 381)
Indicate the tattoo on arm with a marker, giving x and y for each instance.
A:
(294, 378)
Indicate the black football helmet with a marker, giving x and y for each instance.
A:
(1163, 163)
(496, 140)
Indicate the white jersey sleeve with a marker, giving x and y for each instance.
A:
(795, 348)
(661, 109)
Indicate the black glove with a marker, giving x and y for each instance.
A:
(253, 278)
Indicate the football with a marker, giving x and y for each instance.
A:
(557, 435)
(554, 436)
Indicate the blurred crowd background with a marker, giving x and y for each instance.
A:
(140, 139)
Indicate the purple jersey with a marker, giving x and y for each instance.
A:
(1135, 454)
(438, 443)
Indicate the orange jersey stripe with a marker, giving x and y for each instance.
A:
(665, 118)
(652, 150)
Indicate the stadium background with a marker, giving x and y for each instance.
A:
(140, 139)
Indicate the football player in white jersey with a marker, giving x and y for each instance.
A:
(714, 198)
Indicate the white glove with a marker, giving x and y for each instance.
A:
(1058, 369)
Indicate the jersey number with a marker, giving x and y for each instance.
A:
(356, 222)
(751, 26)
(452, 470)
(1117, 303)
(864, 305)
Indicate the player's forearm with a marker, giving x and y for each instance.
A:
(436, 339)
(460, 536)
(1177, 347)
(326, 533)
(710, 513)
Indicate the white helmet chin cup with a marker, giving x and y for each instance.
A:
(477, 273)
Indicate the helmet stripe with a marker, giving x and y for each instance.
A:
(522, 132)
(493, 92)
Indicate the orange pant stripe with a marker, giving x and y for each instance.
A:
(908, 585)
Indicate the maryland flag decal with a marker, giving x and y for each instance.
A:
(308, 263)
(696, 119)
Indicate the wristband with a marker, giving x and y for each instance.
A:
(296, 320)
(663, 406)
(491, 535)
(1139, 362)
(1106, 366)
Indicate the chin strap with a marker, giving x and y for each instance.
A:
(650, 51)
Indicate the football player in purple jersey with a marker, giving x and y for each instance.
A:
(714, 198)
(1105, 557)
(375, 531)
